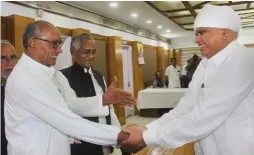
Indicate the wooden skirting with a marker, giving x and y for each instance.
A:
(187, 149)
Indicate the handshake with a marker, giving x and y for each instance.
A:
(131, 138)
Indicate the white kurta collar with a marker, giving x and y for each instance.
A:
(39, 68)
(218, 58)
(88, 71)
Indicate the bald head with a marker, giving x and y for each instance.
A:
(42, 41)
(8, 58)
(35, 29)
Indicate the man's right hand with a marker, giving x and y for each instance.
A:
(118, 96)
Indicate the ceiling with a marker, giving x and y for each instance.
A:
(183, 13)
(174, 16)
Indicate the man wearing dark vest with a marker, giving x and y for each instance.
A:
(8, 61)
(87, 82)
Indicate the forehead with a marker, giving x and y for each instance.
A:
(7, 49)
(87, 43)
(51, 33)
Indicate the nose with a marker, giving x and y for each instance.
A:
(59, 50)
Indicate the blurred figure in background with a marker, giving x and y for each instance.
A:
(192, 66)
(157, 82)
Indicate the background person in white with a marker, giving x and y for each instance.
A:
(173, 74)
(38, 120)
(217, 111)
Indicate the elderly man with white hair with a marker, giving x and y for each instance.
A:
(217, 111)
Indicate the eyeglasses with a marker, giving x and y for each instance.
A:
(56, 44)
(5, 59)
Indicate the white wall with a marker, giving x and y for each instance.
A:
(246, 36)
(10, 8)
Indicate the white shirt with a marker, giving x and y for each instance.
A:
(102, 119)
(220, 115)
(173, 76)
(38, 120)
(184, 71)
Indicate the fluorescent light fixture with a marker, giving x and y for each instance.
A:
(149, 21)
(113, 4)
(159, 26)
(168, 30)
(134, 15)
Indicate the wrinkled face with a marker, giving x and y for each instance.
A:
(210, 40)
(47, 45)
(86, 54)
(8, 60)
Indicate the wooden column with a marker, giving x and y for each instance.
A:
(15, 28)
(160, 60)
(170, 55)
(3, 28)
(77, 31)
(115, 68)
(178, 57)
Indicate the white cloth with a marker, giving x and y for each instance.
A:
(217, 109)
(184, 71)
(38, 121)
(173, 76)
(160, 97)
(218, 17)
(64, 59)
(102, 119)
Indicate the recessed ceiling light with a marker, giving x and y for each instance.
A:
(113, 4)
(148, 21)
(159, 26)
(134, 15)
(168, 30)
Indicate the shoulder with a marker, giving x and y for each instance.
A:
(65, 70)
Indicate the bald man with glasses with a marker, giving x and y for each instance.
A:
(8, 61)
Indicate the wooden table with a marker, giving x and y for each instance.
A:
(187, 149)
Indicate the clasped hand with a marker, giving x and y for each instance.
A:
(131, 138)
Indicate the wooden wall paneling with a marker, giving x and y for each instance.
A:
(178, 57)
(115, 68)
(100, 62)
(77, 31)
(15, 28)
(166, 60)
(99, 37)
(170, 55)
(160, 61)
(249, 45)
(3, 28)
(150, 66)
(65, 31)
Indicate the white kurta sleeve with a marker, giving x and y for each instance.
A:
(49, 106)
(82, 106)
(226, 94)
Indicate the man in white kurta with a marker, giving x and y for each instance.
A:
(173, 74)
(38, 102)
(217, 111)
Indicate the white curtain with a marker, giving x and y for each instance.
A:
(64, 59)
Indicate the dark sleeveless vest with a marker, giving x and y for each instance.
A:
(82, 84)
